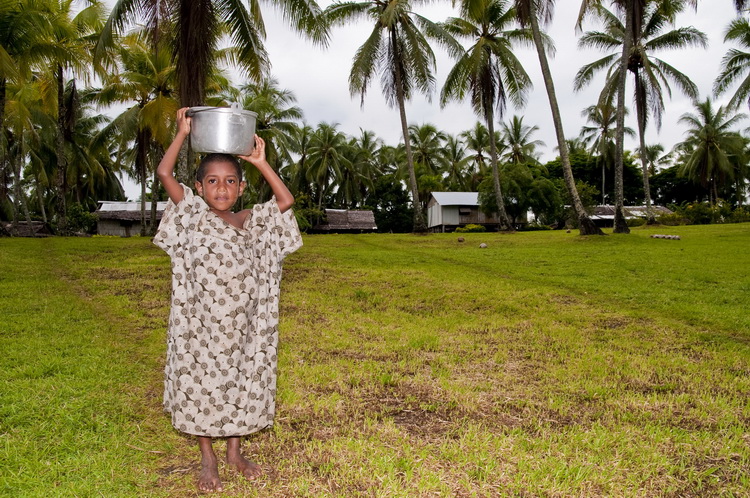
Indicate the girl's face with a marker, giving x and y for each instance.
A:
(220, 187)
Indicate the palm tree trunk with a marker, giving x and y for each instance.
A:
(585, 225)
(62, 183)
(620, 225)
(20, 198)
(141, 161)
(419, 223)
(154, 201)
(3, 188)
(640, 115)
(501, 213)
(40, 198)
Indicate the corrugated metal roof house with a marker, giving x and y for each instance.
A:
(347, 221)
(447, 211)
(124, 218)
(604, 215)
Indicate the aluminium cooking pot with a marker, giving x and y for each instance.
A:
(229, 130)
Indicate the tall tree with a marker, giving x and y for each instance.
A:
(23, 25)
(398, 50)
(735, 66)
(70, 42)
(531, 12)
(712, 148)
(147, 79)
(488, 71)
(600, 137)
(326, 159)
(520, 146)
(651, 75)
(198, 28)
(455, 163)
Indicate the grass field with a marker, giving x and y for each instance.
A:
(548, 364)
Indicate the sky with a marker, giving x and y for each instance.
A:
(318, 77)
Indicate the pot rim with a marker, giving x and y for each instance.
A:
(221, 110)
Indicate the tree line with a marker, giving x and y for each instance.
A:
(63, 62)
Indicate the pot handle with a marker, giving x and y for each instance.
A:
(236, 108)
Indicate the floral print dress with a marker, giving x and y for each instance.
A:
(220, 374)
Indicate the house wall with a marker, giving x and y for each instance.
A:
(118, 228)
(434, 216)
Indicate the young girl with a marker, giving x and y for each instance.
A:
(220, 375)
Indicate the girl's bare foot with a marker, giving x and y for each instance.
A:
(208, 479)
(249, 469)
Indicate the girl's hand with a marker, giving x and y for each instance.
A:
(183, 122)
(258, 156)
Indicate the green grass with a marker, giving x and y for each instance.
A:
(548, 364)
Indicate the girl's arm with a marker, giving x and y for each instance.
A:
(165, 170)
(284, 198)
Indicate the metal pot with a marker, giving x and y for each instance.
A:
(229, 130)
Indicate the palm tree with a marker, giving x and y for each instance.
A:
(397, 49)
(22, 25)
(530, 12)
(488, 71)
(146, 78)
(69, 45)
(600, 137)
(326, 159)
(199, 26)
(477, 140)
(521, 149)
(736, 64)
(712, 148)
(651, 74)
(426, 144)
(365, 158)
(277, 121)
(654, 156)
(455, 163)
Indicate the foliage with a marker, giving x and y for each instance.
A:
(390, 202)
(81, 220)
(471, 228)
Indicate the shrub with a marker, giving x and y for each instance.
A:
(471, 228)
(80, 220)
(635, 222)
(672, 220)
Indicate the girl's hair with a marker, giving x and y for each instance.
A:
(216, 157)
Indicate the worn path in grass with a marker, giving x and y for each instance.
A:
(547, 364)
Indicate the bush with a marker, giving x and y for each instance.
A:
(80, 220)
(471, 228)
(672, 220)
(635, 222)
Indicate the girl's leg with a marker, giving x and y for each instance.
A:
(249, 469)
(208, 480)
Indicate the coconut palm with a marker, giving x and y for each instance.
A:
(531, 13)
(198, 27)
(398, 50)
(427, 143)
(455, 163)
(68, 44)
(651, 75)
(735, 66)
(326, 159)
(477, 141)
(147, 79)
(600, 137)
(712, 148)
(521, 149)
(488, 71)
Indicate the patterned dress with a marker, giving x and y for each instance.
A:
(220, 376)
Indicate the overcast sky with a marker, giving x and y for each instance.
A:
(319, 78)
